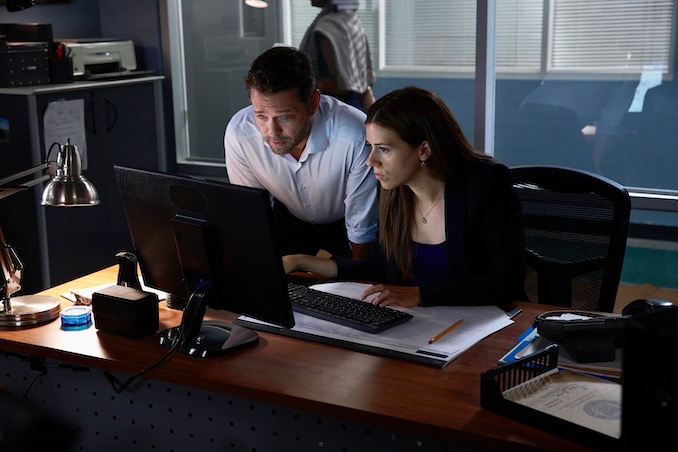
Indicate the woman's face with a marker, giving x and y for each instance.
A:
(393, 161)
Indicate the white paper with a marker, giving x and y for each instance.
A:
(411, 337)
(83, 296)
(64, 120)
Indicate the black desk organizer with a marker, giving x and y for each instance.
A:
(499, 379)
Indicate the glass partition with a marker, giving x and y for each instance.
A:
(212, 43)
(582, 83)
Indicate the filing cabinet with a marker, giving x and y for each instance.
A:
(123, 126)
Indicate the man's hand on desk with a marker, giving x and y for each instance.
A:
(321, 266)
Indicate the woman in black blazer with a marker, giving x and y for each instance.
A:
(449, 223)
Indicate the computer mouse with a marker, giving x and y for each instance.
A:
(644, 305)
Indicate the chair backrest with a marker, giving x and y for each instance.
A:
(576, 224)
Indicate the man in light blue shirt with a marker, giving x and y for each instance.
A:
(309, 151)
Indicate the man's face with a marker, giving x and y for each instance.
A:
(284, 121)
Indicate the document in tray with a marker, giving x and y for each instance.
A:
(582, 399)
(407, 341)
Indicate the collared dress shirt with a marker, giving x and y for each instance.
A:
(330, 180)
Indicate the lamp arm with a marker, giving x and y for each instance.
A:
(11, 272)
(8, 190)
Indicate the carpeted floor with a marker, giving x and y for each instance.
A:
(629, 292)
(650, 271)
(656, 266)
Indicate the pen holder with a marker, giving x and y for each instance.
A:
(61, 70)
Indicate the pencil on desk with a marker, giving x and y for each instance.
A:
(445, 331)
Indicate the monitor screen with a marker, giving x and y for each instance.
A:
(197, 237)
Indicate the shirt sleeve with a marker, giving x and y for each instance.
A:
(361, 209)
(237, 166)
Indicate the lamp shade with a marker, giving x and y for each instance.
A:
(69, 187)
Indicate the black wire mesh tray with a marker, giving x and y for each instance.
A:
(494, 383)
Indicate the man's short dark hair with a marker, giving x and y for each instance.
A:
(282, 69)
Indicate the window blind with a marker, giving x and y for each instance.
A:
(610, 36)
(440, 35)
(540, 37)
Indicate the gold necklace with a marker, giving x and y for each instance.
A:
(423, 217)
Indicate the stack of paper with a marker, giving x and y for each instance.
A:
(584, 400)
(408, 341)
(83, 296)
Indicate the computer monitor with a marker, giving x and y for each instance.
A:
(211, 242)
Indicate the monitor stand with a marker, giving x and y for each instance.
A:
(205, 338)
(196, 337)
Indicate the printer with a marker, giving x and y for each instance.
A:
(97, 56)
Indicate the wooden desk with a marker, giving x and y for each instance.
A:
(382, 393)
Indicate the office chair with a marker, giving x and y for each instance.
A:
(576, 225)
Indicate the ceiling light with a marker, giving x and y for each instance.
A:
(256, 3)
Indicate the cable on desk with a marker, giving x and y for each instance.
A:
(35, 380)
(118, 388)
(186, 325)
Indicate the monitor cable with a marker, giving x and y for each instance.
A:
(187, 324)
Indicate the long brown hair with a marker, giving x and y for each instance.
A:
(416, 115)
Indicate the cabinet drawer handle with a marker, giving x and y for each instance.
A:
(92, 127)
(111, 115)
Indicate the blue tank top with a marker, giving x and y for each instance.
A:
(430, 263)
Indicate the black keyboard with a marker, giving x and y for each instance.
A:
(343, 310)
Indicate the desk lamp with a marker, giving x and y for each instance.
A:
(66, 188)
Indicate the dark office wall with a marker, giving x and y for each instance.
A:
(138, 20)
(79, 19)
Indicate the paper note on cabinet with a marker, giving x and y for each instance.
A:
(65, 120)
